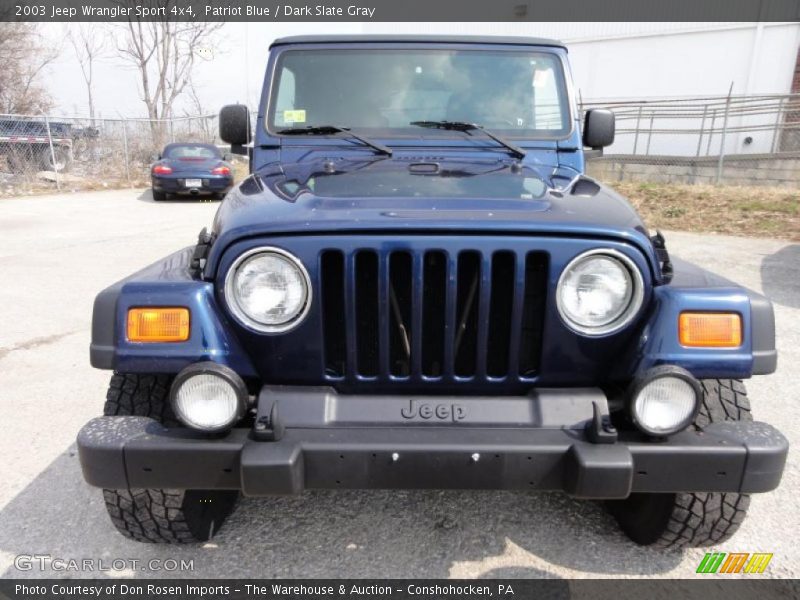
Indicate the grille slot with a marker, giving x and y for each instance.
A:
(332, 291)
(502, 301)
(533, 313)
(434, 320)
(428, 316)
(468, 290)
(400, 286)
(367, 338)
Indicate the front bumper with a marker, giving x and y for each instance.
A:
(341, 451)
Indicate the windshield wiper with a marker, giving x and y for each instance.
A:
(332, 130)
(466, 127)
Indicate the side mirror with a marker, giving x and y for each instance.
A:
(234, 126)
(227, 157)
(598, 128)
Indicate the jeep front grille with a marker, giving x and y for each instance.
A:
(435, 315)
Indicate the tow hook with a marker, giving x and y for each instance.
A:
(600, 430)
(268, 428)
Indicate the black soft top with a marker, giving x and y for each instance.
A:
(412, 39)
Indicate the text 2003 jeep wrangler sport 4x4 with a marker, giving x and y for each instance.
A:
(417, 287)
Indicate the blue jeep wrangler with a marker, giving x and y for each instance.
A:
(418, 287)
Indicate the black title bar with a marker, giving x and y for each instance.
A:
(400, 10)
(709, 588)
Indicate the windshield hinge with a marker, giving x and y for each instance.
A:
(660, 245)
(204, 242)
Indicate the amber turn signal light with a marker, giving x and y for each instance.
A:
(710, 330)
(152, 324)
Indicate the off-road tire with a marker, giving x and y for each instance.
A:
(152, 515)
(688, 520)
(59, 160)
(159, 196)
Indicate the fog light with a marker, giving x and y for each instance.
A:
(665, 400)
(208, 397)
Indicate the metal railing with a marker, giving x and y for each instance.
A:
(743, 140)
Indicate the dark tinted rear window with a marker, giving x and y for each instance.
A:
(191, 151)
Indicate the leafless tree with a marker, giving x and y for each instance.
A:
(164, 55)
(23, 56)
(196, 114)
(89, 43)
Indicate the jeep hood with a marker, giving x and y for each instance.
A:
(412, 194)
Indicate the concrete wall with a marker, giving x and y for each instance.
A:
(741, 170)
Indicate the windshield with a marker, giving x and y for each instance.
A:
(520, 94)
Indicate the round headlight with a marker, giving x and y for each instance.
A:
(268, 289)
(665, 401)
(208, 397)
(599, 292)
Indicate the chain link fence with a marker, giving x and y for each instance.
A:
(40, 153)
(734, 140)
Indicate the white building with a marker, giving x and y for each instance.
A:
(641, 61)
(614, 60)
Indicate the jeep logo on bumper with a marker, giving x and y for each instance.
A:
(443, 412)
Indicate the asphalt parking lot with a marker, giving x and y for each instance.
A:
(57, 252)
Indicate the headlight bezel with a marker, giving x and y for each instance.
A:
(238, 312)
(223, 372)
(626, 316)
(654, 374)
